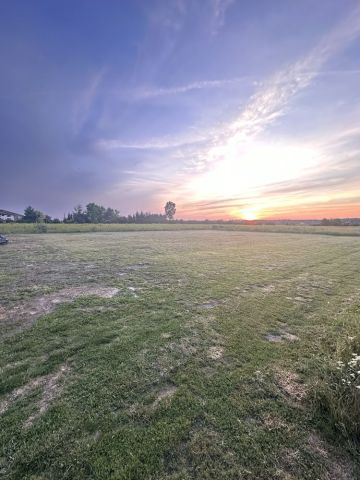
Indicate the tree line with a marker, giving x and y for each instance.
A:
(93, 213)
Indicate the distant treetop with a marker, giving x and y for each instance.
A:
(170, 210)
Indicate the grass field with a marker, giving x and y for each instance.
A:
(174, 354)
(12, 228)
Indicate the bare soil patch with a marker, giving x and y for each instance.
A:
(24, 314)
(290, 384)
(272, 422)
(215, 353)
(51, 388)
(281, 337)
(164, 394)
(210, 304)
(137, 266)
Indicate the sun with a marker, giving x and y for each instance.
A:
(248, 214)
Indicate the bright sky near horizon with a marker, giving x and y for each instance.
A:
(230, 108)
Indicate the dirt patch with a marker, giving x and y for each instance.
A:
(26, 313)
(215, 353)
(137, 266)
(273, 423)
(19, 393)
(302, 299)
(273, 338)
(291, 385)
(210, 304)
(256, 287)
(268, 288)
(281, 337)
(51, 389)
(164, 394)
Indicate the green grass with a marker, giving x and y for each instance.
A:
(20, 228)
(174, 377)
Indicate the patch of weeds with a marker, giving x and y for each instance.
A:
(337, 392)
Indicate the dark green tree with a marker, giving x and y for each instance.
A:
(79, 216)
(95, 213)
(32, 216)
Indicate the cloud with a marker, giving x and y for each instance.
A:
(154, 144)
(219, 8)
(83, 107)
(144, 93)
(267, 105)
(272, 100)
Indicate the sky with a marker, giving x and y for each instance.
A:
(237, 109)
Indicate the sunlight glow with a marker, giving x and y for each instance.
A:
(236, 169)
(248, 214)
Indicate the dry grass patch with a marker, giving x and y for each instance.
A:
(215, 352)
(51, 389)
(291, 385)
(26, 313)
(164, 394)
(272, 422)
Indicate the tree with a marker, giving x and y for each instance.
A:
(79, 216)
(32, 216)
(95, 213)
(111, 216)
(170, 210)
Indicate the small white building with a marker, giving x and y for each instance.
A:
(6, 215)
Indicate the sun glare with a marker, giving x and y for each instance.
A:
(240, 169)
(248, 214)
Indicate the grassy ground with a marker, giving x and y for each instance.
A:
(201, 366)
(12, 228)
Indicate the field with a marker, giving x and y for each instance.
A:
(11, 228)
(174, 354)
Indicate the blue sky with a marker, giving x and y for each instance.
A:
(230, 108)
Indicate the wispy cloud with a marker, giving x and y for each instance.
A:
(268, 104)
(271, 101)
(84, 105)
(143, 93)
(219, 8)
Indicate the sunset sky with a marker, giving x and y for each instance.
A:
(230, 108)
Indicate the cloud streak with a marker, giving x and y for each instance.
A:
(271, 101)
(144, 93)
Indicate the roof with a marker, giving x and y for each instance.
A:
(10, 214)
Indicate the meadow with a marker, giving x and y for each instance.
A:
(171, 353)
(12, 228)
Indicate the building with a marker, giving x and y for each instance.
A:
(6, 215)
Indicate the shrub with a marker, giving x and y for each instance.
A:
(40, 228)
(337, 393)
